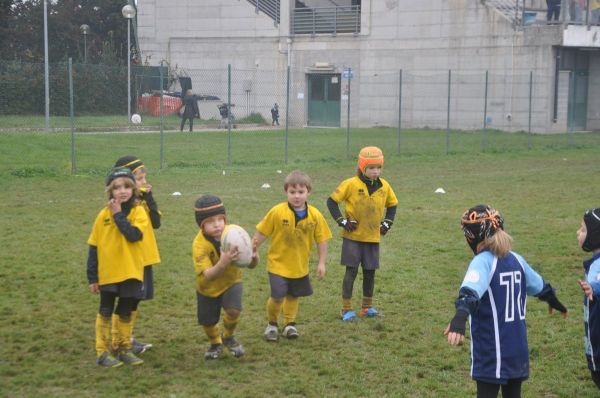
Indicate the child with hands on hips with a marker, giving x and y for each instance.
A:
(588, 237)
(493, 295)
(218, 281)
(115, 267)
(149, 247)
(293, 226)
(370, 206)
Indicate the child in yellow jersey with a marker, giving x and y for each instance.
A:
(149, 247)
(293, 226)
(218, 281)
(115, 267)
(366, 197)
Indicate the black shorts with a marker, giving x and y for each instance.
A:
(296, 287)
(128, 288)
(148, 283)
(360, 253)
(209, 308)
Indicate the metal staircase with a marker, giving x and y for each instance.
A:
(270, 8)
(511, 10)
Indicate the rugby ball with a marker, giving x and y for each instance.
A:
(136, 118)
(234, 235)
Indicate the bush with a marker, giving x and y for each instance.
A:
(97, 89)
(254, 118)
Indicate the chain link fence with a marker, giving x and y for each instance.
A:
(406, 112)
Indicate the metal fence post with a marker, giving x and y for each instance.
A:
(228, 114)
(72, 116)
(484, 138)
(287, 114)
(448, 112)
(162, 146)
(399, 108)
(348, 118)
(570, 109)
(587, 14)
(530, 102)
(335, 22)
(46, 70)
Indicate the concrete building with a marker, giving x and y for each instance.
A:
(491, 61)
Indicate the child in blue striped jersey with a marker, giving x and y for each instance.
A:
(589, 240)
(492, 296)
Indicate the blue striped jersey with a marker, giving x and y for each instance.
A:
(499, 350)
(591, 313)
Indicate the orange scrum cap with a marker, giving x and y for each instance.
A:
(369, 156)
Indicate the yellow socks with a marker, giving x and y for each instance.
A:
(367, 302)
(115, 334)
(102, 334)
(290, 309)
(346, 304)
(273, 309)
(124, 335)
(229, 324)
(214, 336)
(133, 318)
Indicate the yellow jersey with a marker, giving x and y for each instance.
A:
(367, 210)
(150, 254)
(291, 243)
(118, 259)
(205, 255)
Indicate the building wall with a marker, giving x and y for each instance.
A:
(424, 39)
(593, 122)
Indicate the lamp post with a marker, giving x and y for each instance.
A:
(46, 69)
(85, 29)
(128, 12)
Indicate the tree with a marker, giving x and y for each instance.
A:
(22, 30)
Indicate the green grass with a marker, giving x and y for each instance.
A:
(47, 315)
(83, 123)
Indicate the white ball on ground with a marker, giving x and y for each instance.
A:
(136, 118)
(234, 235)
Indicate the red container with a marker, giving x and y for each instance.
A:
(151, 105)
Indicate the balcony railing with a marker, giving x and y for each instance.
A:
(326, 20)
(269, 7)
(529, 12)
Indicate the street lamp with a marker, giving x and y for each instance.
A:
(46, 69)
(85, 29)
(128, 12)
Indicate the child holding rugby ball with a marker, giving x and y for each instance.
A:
(218, 281)
(493, 295)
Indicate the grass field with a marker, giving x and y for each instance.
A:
(47, 315)
(112, 123)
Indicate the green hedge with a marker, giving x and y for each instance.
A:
(97, 89)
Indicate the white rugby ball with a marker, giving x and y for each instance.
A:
(234, 235)
(136, 118)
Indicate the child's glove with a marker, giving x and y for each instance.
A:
(458, 324)
(385, 226)
(548, 294)
(348, 225)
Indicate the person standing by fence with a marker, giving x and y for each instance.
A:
(275, 115)
(595, 12)
(189, 110)
(553, 10)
